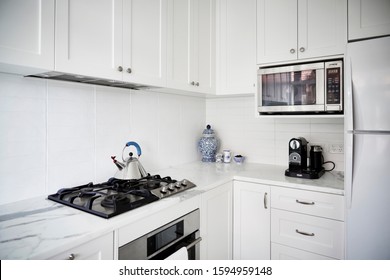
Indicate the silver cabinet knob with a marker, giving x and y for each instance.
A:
(128, 70)
(197, 84)
(120, 68)
(192, 83)
(301, 49)
(292, 50)
(71, 257)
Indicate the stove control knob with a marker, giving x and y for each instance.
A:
(177, 185)
(163, 190)
(184, 183)
(171, 187)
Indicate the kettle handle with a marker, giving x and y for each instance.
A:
(132, 143)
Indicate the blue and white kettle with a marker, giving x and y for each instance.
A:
(131, 168)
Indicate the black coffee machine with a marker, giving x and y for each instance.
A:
(297, 160)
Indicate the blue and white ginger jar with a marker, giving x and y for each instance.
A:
(208, 145)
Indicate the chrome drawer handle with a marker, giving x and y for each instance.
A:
(304, 202)
(304, 233)
(265, 201)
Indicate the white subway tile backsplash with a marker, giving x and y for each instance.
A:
(58, 134)
(113, 127)
(265, 139)
(71, 134)
(22, 138)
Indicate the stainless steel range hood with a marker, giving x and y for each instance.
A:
(60, 76)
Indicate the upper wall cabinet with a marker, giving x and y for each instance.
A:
(368, 18)
(302, 29)
(236, 46)
(26, 36)
(191, 45)
(114, 39)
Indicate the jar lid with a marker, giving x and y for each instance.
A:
(208, 131)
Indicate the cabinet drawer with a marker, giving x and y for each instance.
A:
(101, 248)
(317, 235)
(308, 202)
(281, 252)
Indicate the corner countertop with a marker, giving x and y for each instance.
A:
(39, 228)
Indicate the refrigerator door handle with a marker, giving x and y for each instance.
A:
(349, 104)
(349, 156)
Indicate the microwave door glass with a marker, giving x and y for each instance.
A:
(304, 87)
(276, 89)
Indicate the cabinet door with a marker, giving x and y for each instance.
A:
(276, 30)
(368, 18)
(89, 37)
(26, 36)
(178, 52)
(190, 45)
(251, 228)
(216, 223)
(144, 38)
(322, 28)
(236, 46)
(203, 52)
(101, 248)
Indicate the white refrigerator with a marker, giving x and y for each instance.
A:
(367, 149)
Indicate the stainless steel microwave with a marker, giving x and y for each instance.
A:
(310, 88)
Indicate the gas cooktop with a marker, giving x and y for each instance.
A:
(118, 196)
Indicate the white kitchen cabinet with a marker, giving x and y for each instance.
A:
(113, 39)
(281, 252)
(216, 223)
(251, 227)
(26, 36)
(306, 224)
(191, 45)
(368, 18)
(302, 29)
(101, 248)
(236, 46)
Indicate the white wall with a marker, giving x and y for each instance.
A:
(265, 140)
(58, 134)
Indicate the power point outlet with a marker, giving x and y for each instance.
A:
(336, 148)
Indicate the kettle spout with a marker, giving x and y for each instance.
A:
(118, 164)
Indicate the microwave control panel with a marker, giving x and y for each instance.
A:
(334, 85)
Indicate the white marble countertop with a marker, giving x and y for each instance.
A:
(39, 228)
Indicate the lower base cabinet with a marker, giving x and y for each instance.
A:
(101, 248)
(313, 234)
(216, 223)
(281, 252)
(306, 225)
(251, 218)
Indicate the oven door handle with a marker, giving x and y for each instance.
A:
(193, 243)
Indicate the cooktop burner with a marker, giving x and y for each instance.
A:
(117, 196)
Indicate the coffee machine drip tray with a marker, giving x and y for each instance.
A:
(305, 173)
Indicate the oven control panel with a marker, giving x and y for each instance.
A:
(168, 189)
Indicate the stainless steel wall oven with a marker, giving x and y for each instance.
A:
(166, 240)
